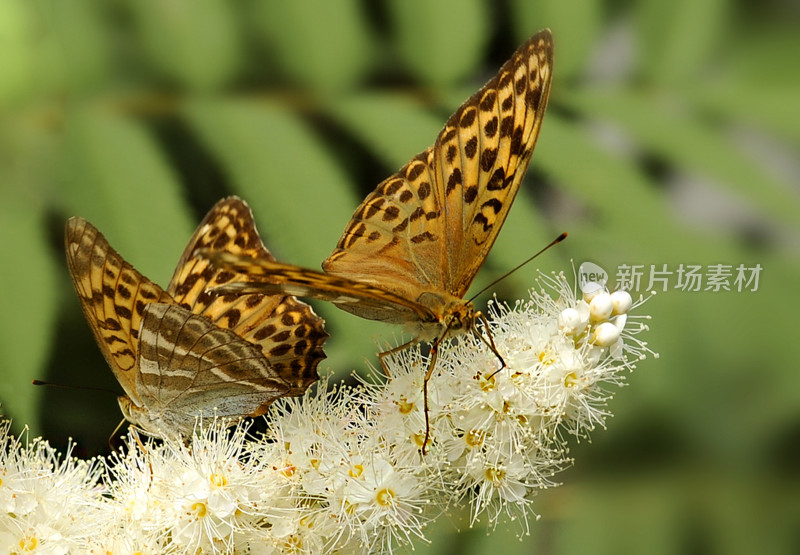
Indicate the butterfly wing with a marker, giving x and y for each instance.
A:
(271, 277)
(189, 366)
(113, 296)
(430, 226)
(286, 330)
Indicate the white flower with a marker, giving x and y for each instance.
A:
(341, 469)
(40, 494)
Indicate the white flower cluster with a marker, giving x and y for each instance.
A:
(341, 469)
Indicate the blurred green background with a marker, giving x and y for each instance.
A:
(672, 137)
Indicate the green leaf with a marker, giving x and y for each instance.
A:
(394, 127)
(678, 38)
(324, 45)
(667, 127)
(28, 281)
(769, 108)
(194, 42)
(611, 195)
(17, 56)
(440, 42)
(575, 27)
(115, 177)
(80, 46)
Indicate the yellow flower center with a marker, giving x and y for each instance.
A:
(404, 406)
(218, 480)
(199, 509)
(571, 380)
(547, 357)
(384, 497)
(356, 471)
(474, 438)
(292, 544)
(289, 470)
(28, 543)
(495, 475)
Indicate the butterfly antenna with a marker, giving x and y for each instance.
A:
(553, 243)
(79, 387)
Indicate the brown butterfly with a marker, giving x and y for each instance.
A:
(413, 247)
(183, 353)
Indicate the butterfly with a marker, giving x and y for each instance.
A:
(182, 352)
(413, 247)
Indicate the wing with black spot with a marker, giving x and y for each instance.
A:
(432, 224)
(113, 296)
(287, 331)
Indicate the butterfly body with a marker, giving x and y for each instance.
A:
(183, 353)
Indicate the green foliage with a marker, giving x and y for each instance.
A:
(672, 138)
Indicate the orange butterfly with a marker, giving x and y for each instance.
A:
(181, 353)
(413, 247)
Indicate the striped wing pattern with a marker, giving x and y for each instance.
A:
(288, 332)
(189, 366)
(413, 247)
(113, 296)
(430, 226)
(181, 352)
(271, 277)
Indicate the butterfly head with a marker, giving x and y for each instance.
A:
(152, 422)
(135, 414)
(460, 317)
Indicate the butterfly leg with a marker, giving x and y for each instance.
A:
(490, 342)
(434, 355)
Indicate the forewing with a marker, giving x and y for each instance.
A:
(351, 295)
(113, 296)
(481, 156)
(189, 367)
(287, 331)
(431, 225)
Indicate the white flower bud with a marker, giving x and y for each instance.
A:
(622, 302)
(605, 334)
(601, 307)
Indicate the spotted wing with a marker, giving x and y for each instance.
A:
(113, 296)
(431, 225)
(261, 275)
(286, 330)
(190, 367)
